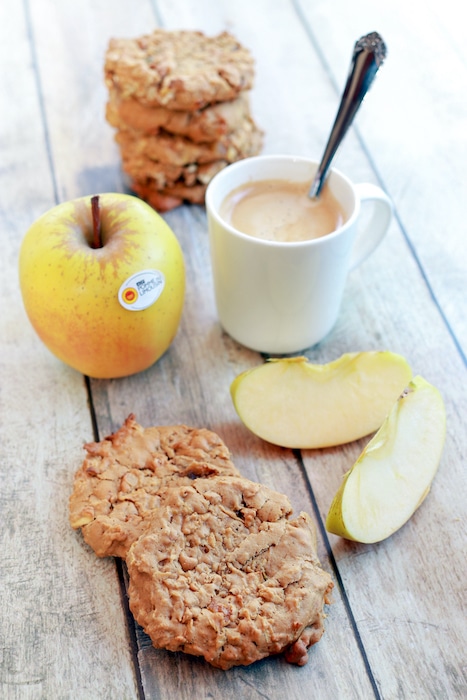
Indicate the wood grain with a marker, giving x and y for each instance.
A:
(63, 627)
(395, 629)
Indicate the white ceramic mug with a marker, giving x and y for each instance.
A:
(283, 297)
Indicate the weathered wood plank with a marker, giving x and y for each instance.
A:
(63, 629)
(396, 604)
(402, 577)
(412, 124)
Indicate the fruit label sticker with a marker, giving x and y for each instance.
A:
(141, 290)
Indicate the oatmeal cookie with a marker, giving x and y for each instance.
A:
(222, 573)
(178, 150)
(168, 198)
(117, 486)
(201, 126)
(160, 175)
(179, 70)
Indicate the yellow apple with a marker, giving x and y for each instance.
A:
(103, 283)
(393, 475)
(294, 403)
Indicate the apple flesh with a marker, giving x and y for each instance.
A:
(70, 284)
(294, 403)
(393, 475)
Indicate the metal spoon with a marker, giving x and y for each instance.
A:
(369, 53)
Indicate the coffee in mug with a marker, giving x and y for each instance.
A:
(278, 296)
(281, 210)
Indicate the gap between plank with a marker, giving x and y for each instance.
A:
(157, 14)
(92, 409)
(120, 568)
(40, 98)
(131, 625)
(340, 583)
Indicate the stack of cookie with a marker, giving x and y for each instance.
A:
(217, 566)
(180, 103)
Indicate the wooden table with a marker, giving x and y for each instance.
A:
(397, 625)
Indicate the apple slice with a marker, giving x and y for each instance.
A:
(293, 403)
(393, 474)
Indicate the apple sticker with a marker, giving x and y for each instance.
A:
(141, 290)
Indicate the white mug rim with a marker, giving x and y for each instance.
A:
(313, 242)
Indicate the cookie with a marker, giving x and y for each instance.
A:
(168, 198)
(117, 486)
(179, 70)
(222, 573)
(178, 150)
(168, 170)
(203, 125)
(161, 175)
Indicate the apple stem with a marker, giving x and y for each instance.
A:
(96, 222)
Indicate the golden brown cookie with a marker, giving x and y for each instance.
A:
(169, 197)
(169, 170)
(202, 125)
(222, 573)
(182, 70)
(178, 150)
(117, 486)
(161, 175)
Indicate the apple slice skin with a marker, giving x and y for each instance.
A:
(293, 403)
(393, 475)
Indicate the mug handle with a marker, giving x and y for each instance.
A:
(369, 238)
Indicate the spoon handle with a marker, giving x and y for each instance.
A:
(369, 53)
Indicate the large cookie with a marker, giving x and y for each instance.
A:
(222, 573)
(117, 486)
(202, 125)
(180, 70)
